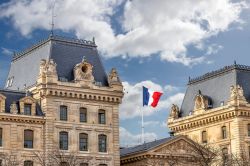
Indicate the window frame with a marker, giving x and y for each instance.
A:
(83, 111)
(28, 143)
(27, 105)
(101, 117)
(63, 140)
(204, 136)
(63, 115)
(1, 137)
(29, 162)
(101, 148)
(81, 144)
(224, 132)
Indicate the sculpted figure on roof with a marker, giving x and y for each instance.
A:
(47, 67)
(113, 76)
(174, 111)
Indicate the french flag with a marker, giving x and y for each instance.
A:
(150, 97)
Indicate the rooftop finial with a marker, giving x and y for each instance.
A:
(84, 59)
(235, 62)
(52, 18)
(93, 40)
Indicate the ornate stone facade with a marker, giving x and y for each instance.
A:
(171, 151)
(226, 126)
(54, 108)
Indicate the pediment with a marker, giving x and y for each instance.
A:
(28, 99)
(178, 146)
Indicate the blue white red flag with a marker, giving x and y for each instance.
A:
(150, 98)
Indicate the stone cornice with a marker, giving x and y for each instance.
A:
(82, 94)
(209, 117)
(22, 118)
(133, 158)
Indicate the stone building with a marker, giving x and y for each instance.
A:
(216, 110)
(172, 151)
(58, 98)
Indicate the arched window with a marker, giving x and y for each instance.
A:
(1, 137)
(83, 142)
(204, 136)
(28, 163)
(224, 132)
(101, 117)
(28, 139)
(102, 139)
(83, 115)
(248, 130)
(63, 140)
(63, 113)
(27, 109)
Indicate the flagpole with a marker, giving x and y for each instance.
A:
(142, 127)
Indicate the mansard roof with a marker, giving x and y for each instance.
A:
(216, 85)
(15, 96)
(144, 147)
(65, 52)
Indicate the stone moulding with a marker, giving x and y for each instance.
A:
(22, 119)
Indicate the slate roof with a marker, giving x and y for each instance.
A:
(15, 96)
(216, 85)
(66, 53)
(144, 147)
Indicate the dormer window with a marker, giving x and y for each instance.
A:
(27, 109)
(9, 82)
(222, 103)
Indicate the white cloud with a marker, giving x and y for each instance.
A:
(165, 27)
(132, 102)
(6, 51)
(129, 139)
(213, 49)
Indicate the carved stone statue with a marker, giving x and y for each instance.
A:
(51, 67)
(174, 111)
(236, 91)
(113, 76)
(13, 108)
(42, 69)
(47, 67)
(83, 71)
(201, 102)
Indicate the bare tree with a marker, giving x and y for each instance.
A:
(9, 159)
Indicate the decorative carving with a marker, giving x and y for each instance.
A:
(83, 71)
(174, 111)
(113, 76)
(47, 67)
(13, 108)
(201, 102)
(237, 95)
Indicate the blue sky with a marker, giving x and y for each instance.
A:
(158, 44)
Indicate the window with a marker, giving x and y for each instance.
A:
(63, 113)
(225, 154)
(63, 140)
(204, 136)
(28, 163)
(102, 143)
(64, 164)
(101, 117)
(83, 142)
(224, 132)
(1, 137)
(28, 139)
(84, 164)
(248, 130)
(83, 115)
(249, 151)
(102, 164)
(27, 109)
